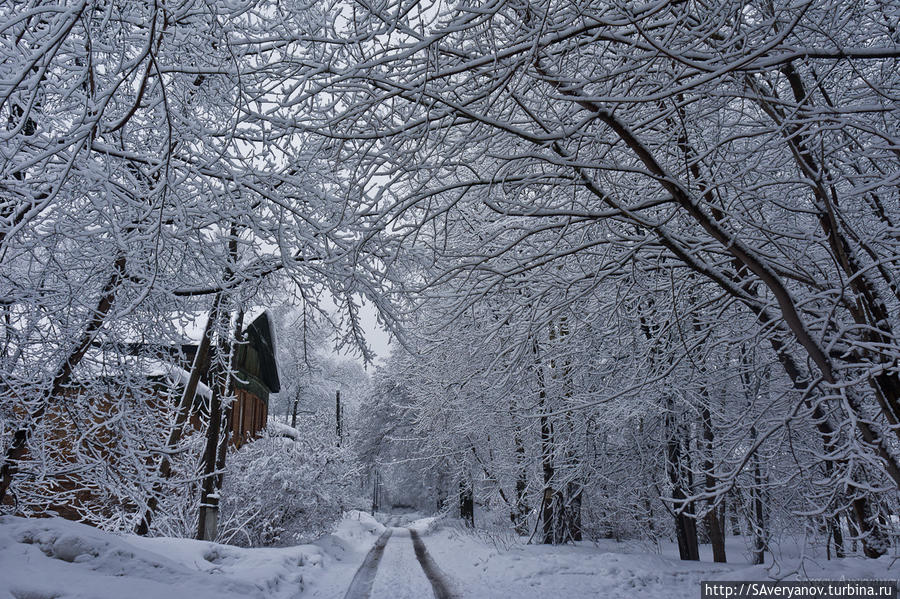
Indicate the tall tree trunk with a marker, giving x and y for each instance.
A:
(572, 495)
(294, 405)
(374, 490)
(548, 475)
(338, 413)
(676, 469)
(229, 411)
(685, 524)
(875, 542)
(713, 525)
(209, 505)
(733, 516)
(217, 436)
(547, 451)
(758, 521)
(201, 363)
(836, 535)
(466, 504)
(221, 382)
(519, 514)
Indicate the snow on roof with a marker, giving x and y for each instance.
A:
(175, 375)
(95, 366)
(193, 324)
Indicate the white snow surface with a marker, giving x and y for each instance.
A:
(399, 575)
(424, 526)
(52, 558)
(613, 570)
(278, 429)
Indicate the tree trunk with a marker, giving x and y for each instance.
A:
(294, 406)
(573, 511)
(547, 468)
(572, 495)
(548, 472)
(836, 535)
(685, 525)
(713, 525)
(374, 491)
(222, 384)
(466, 504)
(337, 417)
(732, 515)
(757, 522)
(519, 514)
(209, 500)
(201, 363)
(875, 543)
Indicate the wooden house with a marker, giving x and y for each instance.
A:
(256, 377)
(89, 404)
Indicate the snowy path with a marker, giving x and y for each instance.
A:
(50, 557)
(361, 586)
(402, 569)
(437, 578)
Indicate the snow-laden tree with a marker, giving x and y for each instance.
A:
(746, 148)
(286, 488)
(153, 167)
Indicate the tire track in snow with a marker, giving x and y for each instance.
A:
(438, 580)
(361, 586)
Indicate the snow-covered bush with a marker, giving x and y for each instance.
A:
(491, 527)
(284, 488)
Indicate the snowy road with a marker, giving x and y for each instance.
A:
(401, 569)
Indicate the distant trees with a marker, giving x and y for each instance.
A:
(699, 178)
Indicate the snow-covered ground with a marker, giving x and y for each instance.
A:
(52, 558)
(486, 570)
(56, 559)
(399, 575)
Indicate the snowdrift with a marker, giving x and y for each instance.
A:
(52, 558)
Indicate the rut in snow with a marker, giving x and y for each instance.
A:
(398, 576)
(435, 576)
(361, 586)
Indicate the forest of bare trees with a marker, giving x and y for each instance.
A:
(640, 259)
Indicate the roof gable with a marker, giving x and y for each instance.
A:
(260, 336)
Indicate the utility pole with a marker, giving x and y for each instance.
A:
(294, 405)
(374, 491)
(337, 414)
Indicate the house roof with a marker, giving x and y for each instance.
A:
(99, 367)
(175, 375)
(260, 334)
